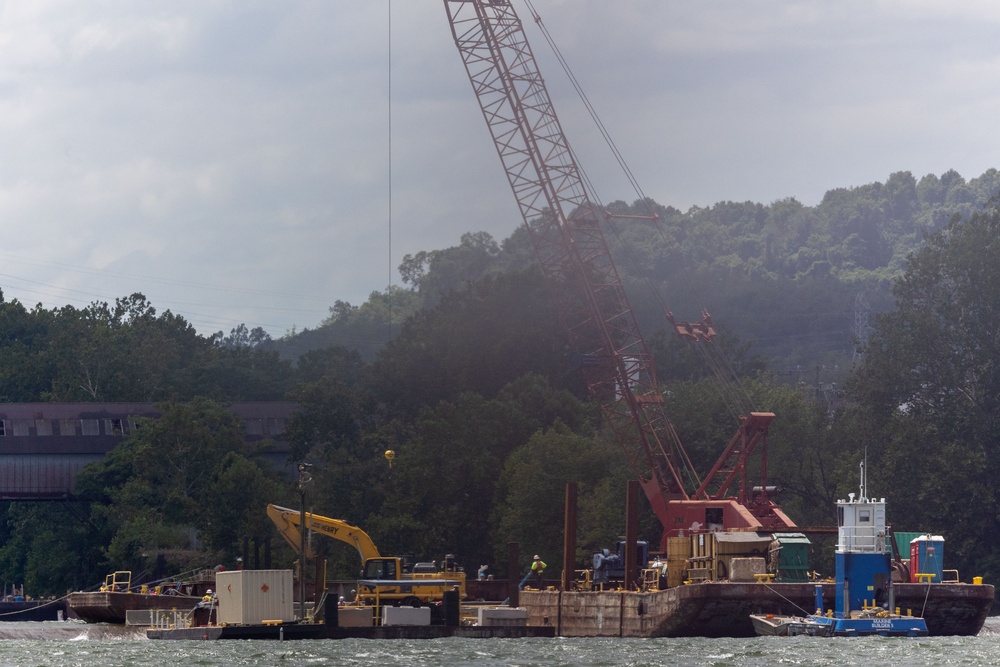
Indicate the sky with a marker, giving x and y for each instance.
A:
(253, 162)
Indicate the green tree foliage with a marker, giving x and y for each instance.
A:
(126, 352)
(184, 478)
(927, 395)
(365, 328)
(531, 495)
(476, 340)
(436, 273)
(463, 373)
(239, 367)
(407, 509)
(335, 407)
(109, 353)
(49, 548)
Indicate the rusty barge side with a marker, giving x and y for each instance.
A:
(722, 609)
(112, 606)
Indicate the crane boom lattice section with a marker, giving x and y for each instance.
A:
(564, 224)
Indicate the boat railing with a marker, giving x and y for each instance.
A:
(120, 581)
(861, 539)
(169, 619)
(583, 580)
(651, 579)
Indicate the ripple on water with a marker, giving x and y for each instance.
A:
(71, 645)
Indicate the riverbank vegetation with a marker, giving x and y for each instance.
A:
(867, 323)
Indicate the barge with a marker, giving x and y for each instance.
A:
(723, 609)
(259, 604)
(712, 583)
(291, 631)
(113, 606)
(33, 610)
(117, 597)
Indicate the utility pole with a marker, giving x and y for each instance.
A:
(305, 476)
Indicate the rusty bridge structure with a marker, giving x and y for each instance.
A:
(44, 446)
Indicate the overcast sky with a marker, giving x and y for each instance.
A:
(234, 161)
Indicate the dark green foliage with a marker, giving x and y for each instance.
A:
(927, 395)
(531, 494)
(186, 474)
(463, 374)
(335, 407)
(365, 328)
(475, 340)
(127, 352)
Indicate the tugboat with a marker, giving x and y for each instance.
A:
(864, 603)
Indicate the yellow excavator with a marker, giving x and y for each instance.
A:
(384, 579)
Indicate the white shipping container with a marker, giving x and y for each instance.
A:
(249, 597)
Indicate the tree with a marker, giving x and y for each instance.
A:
(531, 493)
(188, 472)
(927, 395)
(476, 340)
(438, 272)
(123, 352)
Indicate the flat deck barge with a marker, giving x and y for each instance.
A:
(285, 632)
(723, 609)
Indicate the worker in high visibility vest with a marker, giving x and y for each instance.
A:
(537, 569)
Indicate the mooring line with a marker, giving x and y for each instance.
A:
(791, 602)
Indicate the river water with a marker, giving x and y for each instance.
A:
(73, 644)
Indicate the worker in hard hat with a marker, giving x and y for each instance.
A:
(537, 570)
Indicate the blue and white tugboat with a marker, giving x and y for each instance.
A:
(864, 600)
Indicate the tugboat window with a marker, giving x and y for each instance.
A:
(840, 516)
(864, 516)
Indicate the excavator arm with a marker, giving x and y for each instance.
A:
(289, 524)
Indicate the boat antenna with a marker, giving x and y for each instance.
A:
(864, 480)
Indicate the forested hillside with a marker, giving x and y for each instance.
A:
(464, 374)
(801, 283)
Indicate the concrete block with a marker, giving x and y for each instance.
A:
(743, 569)
(139, 617)
(505, 616)
(355, 617)
(406, 615)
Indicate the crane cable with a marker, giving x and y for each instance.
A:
(586, 101)
(733, 393)
(591, 192)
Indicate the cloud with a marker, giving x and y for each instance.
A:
(256, 161)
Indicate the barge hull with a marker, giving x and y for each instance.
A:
(33, 610)
(308, 631)
(111, 606)
(723, 609)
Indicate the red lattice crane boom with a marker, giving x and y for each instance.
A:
(564, 224)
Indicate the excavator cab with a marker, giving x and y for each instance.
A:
(381, 568)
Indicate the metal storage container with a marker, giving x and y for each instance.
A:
(248, 597)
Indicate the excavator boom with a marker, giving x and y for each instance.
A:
(289, 524)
